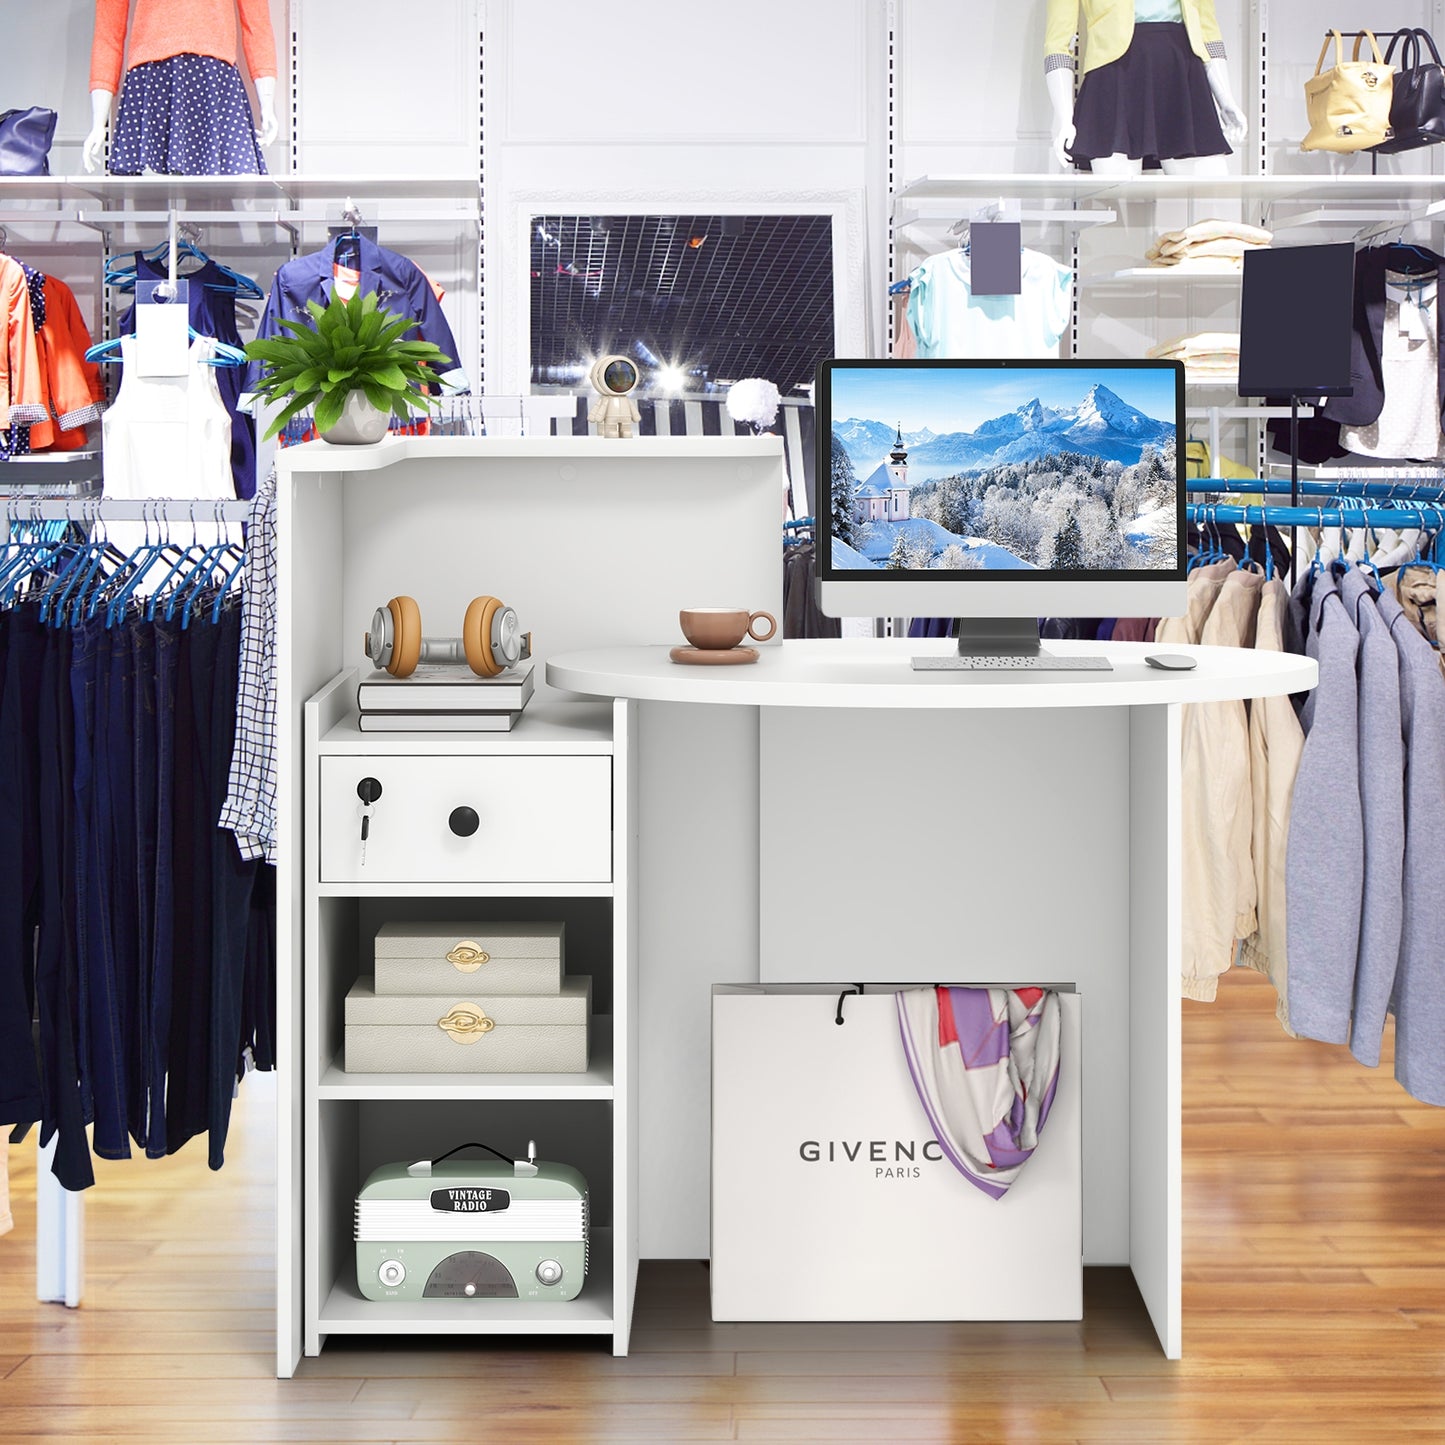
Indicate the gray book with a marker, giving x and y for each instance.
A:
(438, 722)
(440, 687)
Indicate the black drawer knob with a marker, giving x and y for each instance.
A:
(464, 822)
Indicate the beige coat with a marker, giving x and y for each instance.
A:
(1276, 742)
(1219, 880)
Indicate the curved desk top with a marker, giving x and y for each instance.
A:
(875, 672)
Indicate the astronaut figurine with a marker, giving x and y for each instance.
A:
(614, 378)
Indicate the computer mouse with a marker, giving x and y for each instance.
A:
(1171, 661)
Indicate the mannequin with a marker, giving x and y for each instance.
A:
(183, 107)
(1133, 48)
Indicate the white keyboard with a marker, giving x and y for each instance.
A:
(1010, 662)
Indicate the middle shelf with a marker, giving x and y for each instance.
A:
(596, 1083)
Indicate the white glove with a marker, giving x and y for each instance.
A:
(270, 127)
(1061, 97)
(1231, 118)
(94, 151)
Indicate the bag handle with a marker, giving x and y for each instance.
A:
(1325, 50)
(1430, 41)
(1374, 46)
(1409, 51)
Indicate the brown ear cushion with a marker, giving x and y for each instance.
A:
(406, 628)
(477, 636)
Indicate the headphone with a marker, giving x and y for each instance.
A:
(492, 639)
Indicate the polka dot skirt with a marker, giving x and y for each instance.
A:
(186, 116)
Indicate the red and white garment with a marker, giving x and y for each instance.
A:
(985, 1063)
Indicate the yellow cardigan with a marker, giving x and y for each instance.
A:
(1110, 25)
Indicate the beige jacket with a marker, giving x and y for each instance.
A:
(1276, 742)
(1218, 818)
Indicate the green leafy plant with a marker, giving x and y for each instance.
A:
(351, 346)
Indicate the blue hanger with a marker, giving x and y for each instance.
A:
(122, 275)
(222, 354)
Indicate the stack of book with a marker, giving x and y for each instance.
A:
(443, 698)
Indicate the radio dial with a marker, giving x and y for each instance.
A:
(549, 1272)
(391, 1273)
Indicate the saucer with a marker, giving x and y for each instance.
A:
(713, 656)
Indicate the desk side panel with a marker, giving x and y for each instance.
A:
(1155, 1032)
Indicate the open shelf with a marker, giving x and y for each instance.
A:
(550, 725)
(596, 1083)
(551, 889)
(346, 1311)
(1171, 275)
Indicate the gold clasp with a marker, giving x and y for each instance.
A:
(467, 956)
(466, 1023)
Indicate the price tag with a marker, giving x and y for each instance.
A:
(162, 329)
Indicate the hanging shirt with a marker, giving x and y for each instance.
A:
(400, 287)
(22, 386)
(1325, 864)
(168, 436)
(1409, 421)
(1419, 995)
(162, 28)
(948, 320)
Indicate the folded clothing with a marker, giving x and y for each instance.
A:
(1204, 348)
(1202, 232)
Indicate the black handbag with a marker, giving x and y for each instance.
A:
(1417, 112)
(25, 137)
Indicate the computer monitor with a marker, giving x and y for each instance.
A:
(1000, 492)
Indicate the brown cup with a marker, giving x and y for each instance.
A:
(716, 629)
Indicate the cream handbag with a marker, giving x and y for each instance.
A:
(1349, 106)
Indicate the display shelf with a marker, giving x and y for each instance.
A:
(550, 725)
(549, 889)
(148, 192)
(320, 456)
(1171, 275)
(1196, 382)
(346, 1311)
(596, 1083)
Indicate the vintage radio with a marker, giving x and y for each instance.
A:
(472, 1229)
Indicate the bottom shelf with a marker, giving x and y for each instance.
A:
(347, 1311)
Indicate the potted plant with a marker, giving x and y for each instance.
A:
(351, 365)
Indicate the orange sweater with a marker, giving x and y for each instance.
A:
(163, 28)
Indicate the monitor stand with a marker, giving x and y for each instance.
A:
(1005, 644)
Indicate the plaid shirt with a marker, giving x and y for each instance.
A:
(250, 807)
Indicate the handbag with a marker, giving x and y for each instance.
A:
(1349, 105)
(25, 137)
(1417, 110)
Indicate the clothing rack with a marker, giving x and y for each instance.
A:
(1205, 513)
(114, 509)
(1346, 487)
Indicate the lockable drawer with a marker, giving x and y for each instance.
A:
(468, 819)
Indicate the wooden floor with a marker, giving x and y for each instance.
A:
(1314, 1308)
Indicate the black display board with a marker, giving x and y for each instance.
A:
(1296, 321)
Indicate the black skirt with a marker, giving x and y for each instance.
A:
(1152, 104)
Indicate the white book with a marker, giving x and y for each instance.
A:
(442, 687)
(438, 722)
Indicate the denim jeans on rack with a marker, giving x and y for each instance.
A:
(21, 647)
(233, 881)
(186, 1073)
(162, 882)
(142, 874)
(120, 809)
(101, 1033)
(63, 1063)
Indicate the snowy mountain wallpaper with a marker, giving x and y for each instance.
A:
(1003, 470)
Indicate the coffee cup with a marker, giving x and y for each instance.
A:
(716, 629)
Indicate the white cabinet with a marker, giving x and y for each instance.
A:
(467, 819)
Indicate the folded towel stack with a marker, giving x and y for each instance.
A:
(1207, 356)
(1208, 246)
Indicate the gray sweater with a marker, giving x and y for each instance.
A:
(1419, 1001)
(1324, 859)
(1381, 769)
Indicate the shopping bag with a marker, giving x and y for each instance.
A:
(831, 1198)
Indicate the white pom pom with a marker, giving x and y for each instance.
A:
(754, 401)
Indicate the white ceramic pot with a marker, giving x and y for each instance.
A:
(360, 423)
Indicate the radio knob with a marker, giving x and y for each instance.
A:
(391, 1273)
(549, 1272)
(469, 1289)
